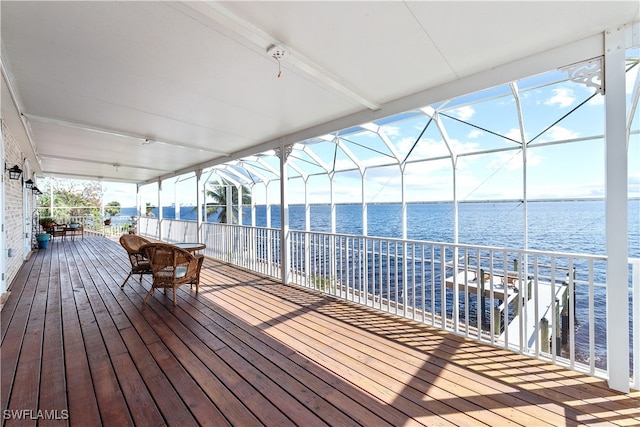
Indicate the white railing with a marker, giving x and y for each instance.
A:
(547, 305)
(149, 226)
(179, 231)
(95, 224)
(254, 248)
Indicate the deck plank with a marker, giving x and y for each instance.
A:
(412, 387)
(15, 313)
(249, 351)
(80, 392)
(53, 383)
(27, 374)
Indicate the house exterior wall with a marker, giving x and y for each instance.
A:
(14, 215)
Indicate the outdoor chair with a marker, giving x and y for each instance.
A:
(58, 230)
(139, 264)
(172, 267)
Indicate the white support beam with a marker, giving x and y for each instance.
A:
(285, 262)
(160, 216)
(229, 206)
(119, 133)
(256, 39)
(616, 202)
(199, 200)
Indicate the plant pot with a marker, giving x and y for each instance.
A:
(43, 240)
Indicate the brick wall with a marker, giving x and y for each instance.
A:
(15, 216)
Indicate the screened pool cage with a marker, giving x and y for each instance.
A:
(540, 137)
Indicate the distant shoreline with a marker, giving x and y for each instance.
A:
(436, 202)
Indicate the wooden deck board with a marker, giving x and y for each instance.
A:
(249, 351)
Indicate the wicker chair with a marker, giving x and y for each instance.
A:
(172, 267)
(139, 264)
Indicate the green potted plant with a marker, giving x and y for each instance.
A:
(47, 222)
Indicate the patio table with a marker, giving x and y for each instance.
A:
(191, 247)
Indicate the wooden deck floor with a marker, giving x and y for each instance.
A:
(248, 351)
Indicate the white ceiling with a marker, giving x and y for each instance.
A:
(134, 91)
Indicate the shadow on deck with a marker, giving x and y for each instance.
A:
(78, 349)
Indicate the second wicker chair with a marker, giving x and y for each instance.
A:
(172, 267)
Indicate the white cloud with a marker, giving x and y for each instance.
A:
(513, 160)
(562, 97)
(425, 148)
(514, 134)
(390, 130)
(559, 133)
(475, 134)
(463, 113)
(596, 100)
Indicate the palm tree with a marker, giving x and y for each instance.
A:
(218, 194)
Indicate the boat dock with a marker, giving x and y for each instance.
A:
(533, 313)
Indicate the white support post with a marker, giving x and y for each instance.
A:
(160, 209)
(307, 235)
(307, 207)
(138, 208)
(267, 203)
(253, 205)
(365, 206)
(616, 211)
(405, 246)
(239, 204)
(332, 196)
(285, 262)
(228, 207)
(199, 198)
(176, 205)
(454, 263)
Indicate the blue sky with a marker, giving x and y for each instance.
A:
(481, 121)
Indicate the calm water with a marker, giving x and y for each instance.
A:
(563, 226)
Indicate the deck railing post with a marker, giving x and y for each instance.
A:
(544, 335)
(483, 299)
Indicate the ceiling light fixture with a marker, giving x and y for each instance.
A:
(277, 53)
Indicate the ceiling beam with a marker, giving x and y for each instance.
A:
(17, 104)
(247, 34)
(97, 162)
(118, 133)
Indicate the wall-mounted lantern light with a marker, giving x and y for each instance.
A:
(28, 184)
(14, 172)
